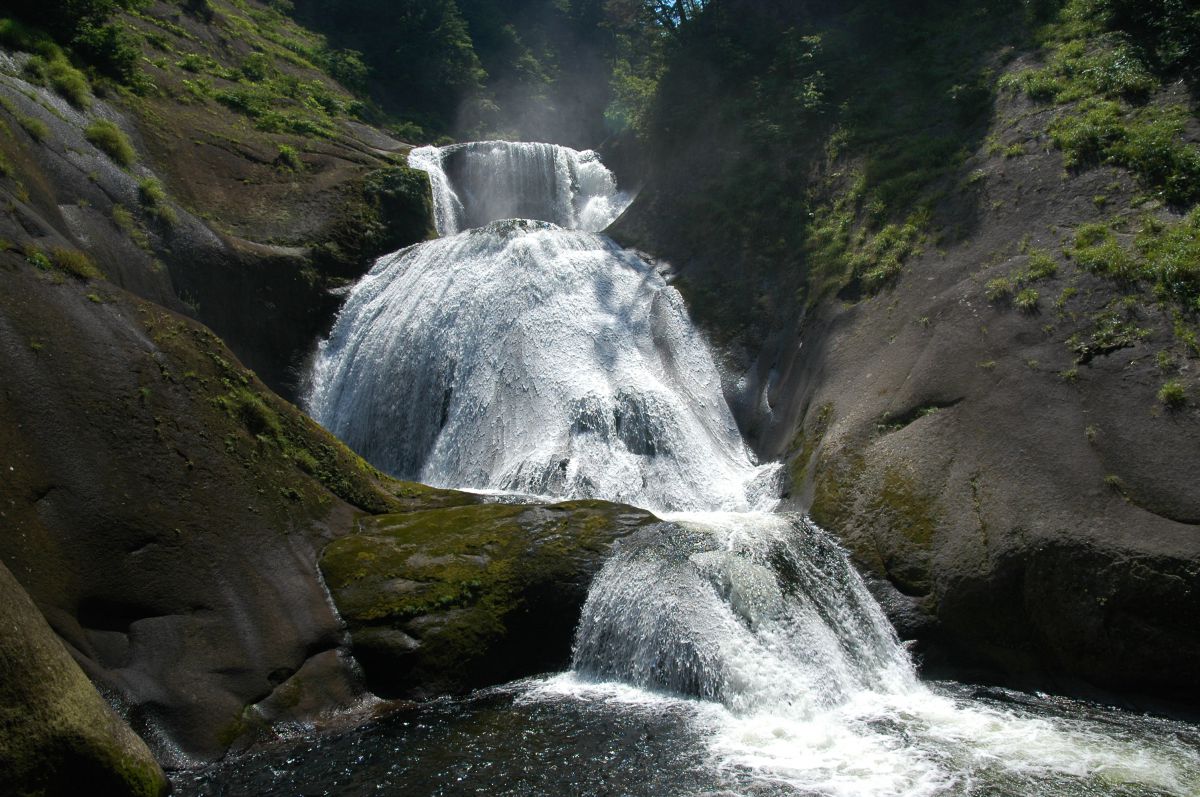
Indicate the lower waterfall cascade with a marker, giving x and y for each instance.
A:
(535, 356)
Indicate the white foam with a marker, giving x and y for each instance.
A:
(525, 357)
(484, 181)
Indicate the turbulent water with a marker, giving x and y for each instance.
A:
(535, 356)
(526, 357)
(758, 612)
(483, 181)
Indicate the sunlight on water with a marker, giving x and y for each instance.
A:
(537, 358)
(529, 358)
(485, 181)
(804, 682)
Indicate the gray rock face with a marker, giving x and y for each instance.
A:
(268, 302)
(1026, 502)
(59, 736)
(153, 506)
(1044, 525)
(452, 599)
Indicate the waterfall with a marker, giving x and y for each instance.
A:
(485, 181)
(759, 612)
(525, 357)
(524, 352)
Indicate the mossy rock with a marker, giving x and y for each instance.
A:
(57, 735)
(167, 511)
(447, 600)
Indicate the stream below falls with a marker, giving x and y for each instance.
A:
(523, 352)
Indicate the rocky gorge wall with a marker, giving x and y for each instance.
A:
(1006, 469)
(172, 525)
(981, 414)
(162, 507)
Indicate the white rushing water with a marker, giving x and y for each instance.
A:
(755, 611)
(525, 357)
(483, 181)
(536, 356)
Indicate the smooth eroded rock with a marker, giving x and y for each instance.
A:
(57, 735)
(452, 599)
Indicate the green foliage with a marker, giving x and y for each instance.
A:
(347, 67)
(999, 289)
(1170, 254)
(1080, 69)
(153, 199)
(1112, 329)
(37, 258)
(68, 261)
(128, 224)
(17, 36)
(1106, 59)
(70, 83)
(35, 127)
(1166, 33)
(1027, 300)
(257, 67)
(84, 28)
(67, 20)
(634, 87)
(1164, 255)
(284, 104)
(76, 263)
(810, 149)
(200, 9)
(1041, 267)
(1098, 251)
(1173, 393)
(289, 158)
(113, 51)
(882, 257)
(489, 68)
(421, 53)
(1149, 142)
(107, 137)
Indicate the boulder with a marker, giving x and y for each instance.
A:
(57, 735)
(165, 511)
(453, 599)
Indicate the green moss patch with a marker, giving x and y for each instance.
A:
(909, 510)
(439, 598)
(805, 444)
(289, 453)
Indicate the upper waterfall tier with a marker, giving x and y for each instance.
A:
(524, 357)
(485, 181)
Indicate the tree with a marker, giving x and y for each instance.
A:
(669, 15)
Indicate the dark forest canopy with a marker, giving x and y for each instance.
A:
(582, 71)
(539, 69)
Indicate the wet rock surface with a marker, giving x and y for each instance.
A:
(59, 736)
(165, 511)
(448, 600)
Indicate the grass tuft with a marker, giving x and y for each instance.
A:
(1027, 301)
(1173, 394)
(999, 289)
(76, 263)
(108, 138)
(153, 198)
